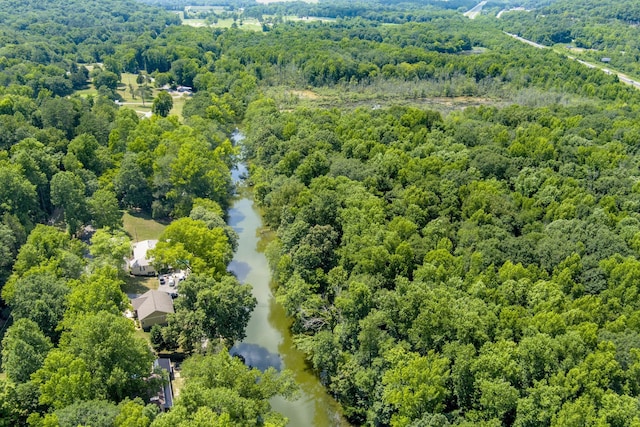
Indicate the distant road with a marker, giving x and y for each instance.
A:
(621, 76)
(529, 42)
(475, 10)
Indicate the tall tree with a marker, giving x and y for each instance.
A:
(40, 297)
(223, 307)
(162, 104)
(68, 193)
(24, 348)
(219, 388)
(131, 184)
(104, 209)
(191, 243)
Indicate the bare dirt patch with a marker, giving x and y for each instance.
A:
(304, 94)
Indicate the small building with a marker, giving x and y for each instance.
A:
(164, 397)
(606, 60)
(140, 264)
(152, 307)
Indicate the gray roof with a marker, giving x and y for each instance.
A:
(151, 302)
(165, 395)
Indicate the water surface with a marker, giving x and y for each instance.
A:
(269, 342)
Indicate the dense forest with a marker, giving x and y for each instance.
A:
(441, 265)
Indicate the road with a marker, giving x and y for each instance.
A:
(529, 42)
(475, 10)
(621, 76)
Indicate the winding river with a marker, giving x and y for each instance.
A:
(269, 341)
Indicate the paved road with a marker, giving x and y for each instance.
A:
(475, 10)
(621, 76)
(529, 42)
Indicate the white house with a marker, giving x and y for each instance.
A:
(140, 264)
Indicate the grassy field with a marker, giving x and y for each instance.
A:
(135, 103)
(139, 284)
(141, 226)
(249, 24)
(381, 95)
(139, 333)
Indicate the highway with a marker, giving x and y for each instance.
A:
(475, 10)
(621, 76)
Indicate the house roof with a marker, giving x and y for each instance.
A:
(165, 395)
(140, 252)
(151, 302)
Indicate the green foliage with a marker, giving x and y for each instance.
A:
(472, 267)
(104, 210)
(109, 248)
(506, 280)
(162, 104)
(40, 297)
(68, 193)
(214, 310)
(46, 250)
(191, 243)
(98, 292)
(98, 413)
(24, 348)
(221, 387)
(414, 385)
(131, 185)
(98, 358)
(155, 335)
(18, 195)
(133, 413)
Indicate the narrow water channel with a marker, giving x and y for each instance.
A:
(268, 341)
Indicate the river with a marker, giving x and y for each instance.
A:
(269, 341)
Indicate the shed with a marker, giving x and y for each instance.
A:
(152, 308)
(140, 264)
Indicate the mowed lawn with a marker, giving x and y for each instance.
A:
(141, 226)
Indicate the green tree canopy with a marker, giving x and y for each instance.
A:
(222, 386)
(24, 348)
(162, 104)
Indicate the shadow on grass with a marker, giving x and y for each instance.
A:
(139, 285)
(141, 226)
(140, 214)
